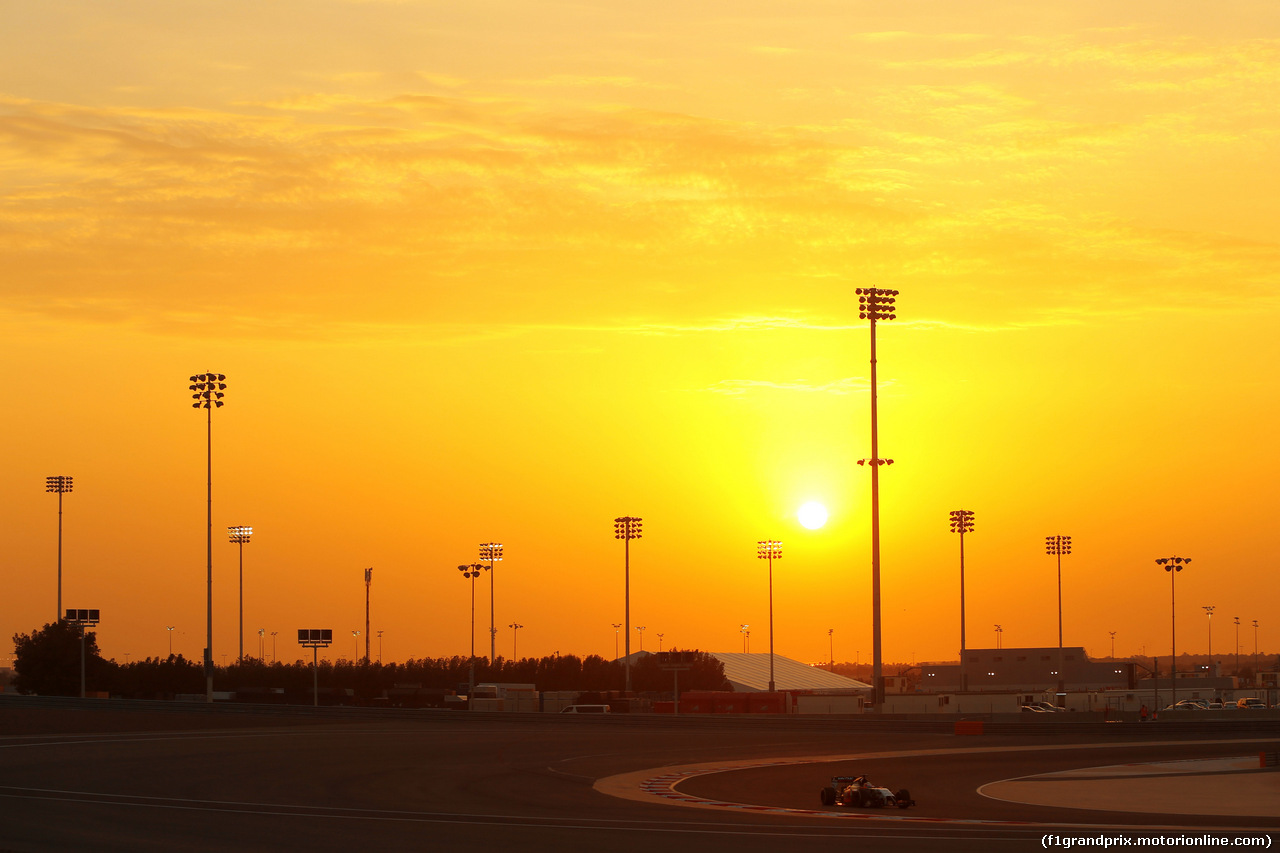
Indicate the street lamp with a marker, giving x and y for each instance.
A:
(875, 303)
(1173, 565)
(742, 629)
(61, 484)
(380, 648)
(208, 388)
(616, 626)
(492, 551)
(1208, 611)
(273, 646)
(770, 549)
(471, 571)
(1113, 644)
(999, 633)
(355, 635)
(627, 528)
(262, 645)
(831, 647)
(170, 628)
(962, 523)
(239, 535)
(515, 629)
(640, 631)
(660, 636)
(1056, 546)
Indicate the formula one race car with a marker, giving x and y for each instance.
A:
(857, 792)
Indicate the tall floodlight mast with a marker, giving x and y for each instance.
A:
(876, 304)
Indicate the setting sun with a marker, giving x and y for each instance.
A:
(812, 515)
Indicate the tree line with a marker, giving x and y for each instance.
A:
(47, 662)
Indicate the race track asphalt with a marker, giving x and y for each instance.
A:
(93, 777)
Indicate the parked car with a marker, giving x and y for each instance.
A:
(1048, 706)
(585, 709)
(1251, 702)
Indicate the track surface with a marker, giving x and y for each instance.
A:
(112, 780)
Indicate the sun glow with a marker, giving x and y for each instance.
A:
(812, 515)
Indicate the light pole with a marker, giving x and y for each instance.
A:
(770, 549)
(831, 647)
(61, 484)
(999, 633)
(660, 636)
(82, 619)
(1255, 652)
(616, 626)
(380, 648)
(273, 646)
(1208, 611)
(640, 631)
(742, 629)
(627, 528)
(170, 628)
(239, 535)
(1056, 546)
(492, 551)
(874, 304)
(262, 645)
(1237, 646)
(368, 581)
(1173, 565)
(471, 572)
(962, 523)
(515, 629)
(1113, 644)
(355, 635)
(208, 388)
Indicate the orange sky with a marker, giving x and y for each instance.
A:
(505, 270)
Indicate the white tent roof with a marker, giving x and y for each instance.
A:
(749, 673)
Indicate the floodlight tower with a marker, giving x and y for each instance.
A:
(62, 485)
(627, 528)
(492, 551)
(875, 304)
(471, 571)
(368, 581)
(770, 549)
(1057, 546)
(962, 523)
(239, 535)
(1173, 565)
(208, 388)
(1208, 611)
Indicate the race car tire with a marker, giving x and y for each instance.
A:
(904, 799)
(828, 796)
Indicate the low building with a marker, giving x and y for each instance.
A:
(1027, 670)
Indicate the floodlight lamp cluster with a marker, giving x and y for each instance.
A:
(627, 527)
(1173, 564)
(876, 303)
(61, 484)
(1057, 545)
(472, 570)
(208, 388)
(239, 534)
(961, 521)
(875, 462)
(491, 551)
(769, 549)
